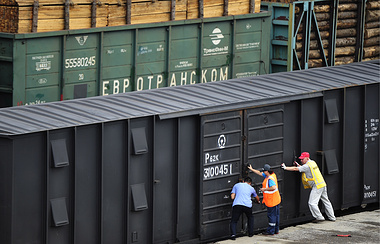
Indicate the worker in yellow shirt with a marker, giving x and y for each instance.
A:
(312, 178)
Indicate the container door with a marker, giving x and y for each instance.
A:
(264, 145)
(221, 161)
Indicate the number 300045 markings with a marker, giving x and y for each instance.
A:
(217, 170)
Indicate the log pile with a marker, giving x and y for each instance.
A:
(280, 1)
(372, 31)
(23, 16)
(346, 34)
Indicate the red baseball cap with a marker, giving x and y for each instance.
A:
(304, 155)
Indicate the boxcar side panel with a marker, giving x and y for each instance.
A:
(188, 175)
(165, 181)
(310, 136)
(140, 180)
(353, 147)
(332, 150)
(292, 182)
(371, 144)
(88, 196)
(114, 183)
(60, 167)
(6, 186)
(29, 189)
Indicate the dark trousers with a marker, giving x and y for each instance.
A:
(237, 210)
(273, 219)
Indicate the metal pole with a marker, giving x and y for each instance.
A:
(360, 31)
(332, 37)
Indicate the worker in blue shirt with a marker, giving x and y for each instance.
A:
(241, 194)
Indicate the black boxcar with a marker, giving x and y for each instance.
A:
(157, 166)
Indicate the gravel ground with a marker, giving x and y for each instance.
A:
(364, 227)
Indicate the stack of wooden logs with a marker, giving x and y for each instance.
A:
(372, 30)
(280, 1)
(23, 16)
(346, 34)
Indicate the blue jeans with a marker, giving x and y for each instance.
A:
(237, 210)
(274, 219)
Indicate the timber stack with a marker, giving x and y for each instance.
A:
(372, 30)
(24, 16)
(347, 34)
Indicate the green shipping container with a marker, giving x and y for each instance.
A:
(46, 67)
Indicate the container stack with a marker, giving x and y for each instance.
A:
(24, 16)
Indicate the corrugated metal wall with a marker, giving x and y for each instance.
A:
(158, 166)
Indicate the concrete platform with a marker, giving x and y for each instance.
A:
(364, 227)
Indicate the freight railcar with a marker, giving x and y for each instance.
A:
(157, 166)
(52, 66)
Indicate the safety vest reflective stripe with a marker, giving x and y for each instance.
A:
(267, 185)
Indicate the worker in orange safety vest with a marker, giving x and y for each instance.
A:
(271, 198)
